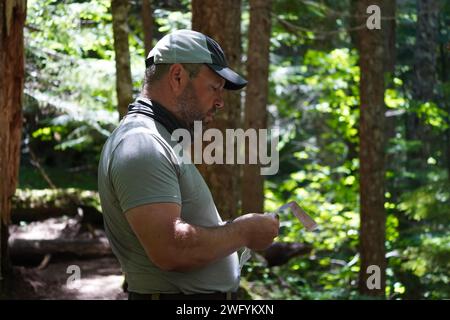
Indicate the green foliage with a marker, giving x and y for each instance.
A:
(317, 108)
(425, 244)
(83, 179)
(433, 115)
(77, 29)
(317, 103)
(71, 68)
(70, 96)
(68, 43)
(172, 20)
(430, 202)
(57, 198)
(65, 134)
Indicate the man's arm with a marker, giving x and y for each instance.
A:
(174, 245)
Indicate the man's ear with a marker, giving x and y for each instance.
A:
(177, 78)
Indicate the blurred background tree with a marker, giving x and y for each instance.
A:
(12, 19)
(221, 20)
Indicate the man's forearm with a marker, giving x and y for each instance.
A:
(196, 246)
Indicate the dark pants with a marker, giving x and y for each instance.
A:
(180, 296)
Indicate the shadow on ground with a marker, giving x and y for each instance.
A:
(100, 279)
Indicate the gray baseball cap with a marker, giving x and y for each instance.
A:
(187, 46)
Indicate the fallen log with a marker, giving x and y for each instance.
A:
(83, 248)
(279, 253)
(36, 205)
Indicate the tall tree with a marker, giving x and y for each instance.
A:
(424, 89)
(257, 97)
(425, 53)
(371, 156)
(147, 24)
(425, 79)
(221, 20)
(124, 85)
(444, 50)
(12, 19)
(388, 24)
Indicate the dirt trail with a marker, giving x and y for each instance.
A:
(100, 279)
(36, 277)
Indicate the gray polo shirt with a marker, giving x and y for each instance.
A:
(138, 166)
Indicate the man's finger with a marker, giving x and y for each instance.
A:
(274, 215)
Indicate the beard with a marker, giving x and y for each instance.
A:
(188, 108)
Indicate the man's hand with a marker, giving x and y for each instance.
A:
(259, 230)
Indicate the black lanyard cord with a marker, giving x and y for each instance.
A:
(157, 112)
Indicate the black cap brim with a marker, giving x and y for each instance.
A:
(233, 81)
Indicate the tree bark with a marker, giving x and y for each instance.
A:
(444, 50)
(425, 54)
(221, 20)
(371, 157)
(388, 24)
(353, 22)
(257, 97)
(147, 24)
(124, 84)
(425, 72)
(12, 19)
(425, 82)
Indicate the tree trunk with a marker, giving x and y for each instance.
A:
(257, 97)
(444, 50)
(37, 205)
(444, 57)
(425, 54)
(425, 82)
(221, 20)
(12, 19)
(124, 84)
(353, 22)
(425, 79)
(388, 24)
(371, 157)
(147, 24)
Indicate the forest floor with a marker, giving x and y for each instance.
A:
(49, 276)
(100, 279)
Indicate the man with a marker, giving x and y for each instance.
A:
(159, 214)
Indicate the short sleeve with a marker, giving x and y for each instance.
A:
(142, 172)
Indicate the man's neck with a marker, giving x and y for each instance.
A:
(161, 96)
(170, 107)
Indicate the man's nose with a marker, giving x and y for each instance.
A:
(219, 103)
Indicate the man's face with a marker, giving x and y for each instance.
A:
(201, 97)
